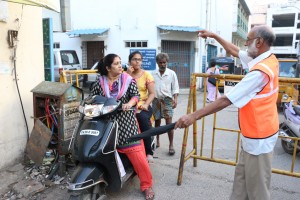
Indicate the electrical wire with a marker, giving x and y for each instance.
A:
(16, 79)
(21, 102)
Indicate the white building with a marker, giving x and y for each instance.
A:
(285, 21)
(240, 24)
(169, 26)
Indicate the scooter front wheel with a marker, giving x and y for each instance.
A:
(82, 195)
(87, 197)
(288, 147)
(94, 193)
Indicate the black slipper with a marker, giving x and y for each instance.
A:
(171, 151)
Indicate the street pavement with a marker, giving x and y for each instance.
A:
(209, 181)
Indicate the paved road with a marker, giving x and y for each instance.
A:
(209, 181)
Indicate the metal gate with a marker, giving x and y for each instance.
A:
(182, 59)
(197, 154)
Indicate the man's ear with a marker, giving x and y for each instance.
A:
(259, 42)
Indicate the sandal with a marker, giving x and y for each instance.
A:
(149, 194)
(150, 158)
(171, 151)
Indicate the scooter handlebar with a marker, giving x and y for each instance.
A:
(152, 132)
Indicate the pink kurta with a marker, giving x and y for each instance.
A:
(211, 89)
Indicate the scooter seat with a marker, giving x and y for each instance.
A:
(297, 109)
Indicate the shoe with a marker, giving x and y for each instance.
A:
(157, 144)
(150, 158)
(149, 194)
(208, 101)
(171, 151)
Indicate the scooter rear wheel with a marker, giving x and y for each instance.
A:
(288, 147)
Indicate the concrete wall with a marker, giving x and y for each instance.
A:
(30, 72)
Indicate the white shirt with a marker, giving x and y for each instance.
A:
(243, 92)
(165, 85)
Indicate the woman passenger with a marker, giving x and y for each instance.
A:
(146, 86)
(113, 83)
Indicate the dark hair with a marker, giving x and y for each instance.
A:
(212, 63)
(161, 56)
(133, 54)
(106, 62)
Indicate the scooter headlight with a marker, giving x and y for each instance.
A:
(91, 110)
(285, 97)
(108, 109)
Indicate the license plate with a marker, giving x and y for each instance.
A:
(89, 132)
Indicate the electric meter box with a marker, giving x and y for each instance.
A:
(56, 105)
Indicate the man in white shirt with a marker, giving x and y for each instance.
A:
(167, 90)
(255, 96)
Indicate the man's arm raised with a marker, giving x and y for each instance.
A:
(228, 46)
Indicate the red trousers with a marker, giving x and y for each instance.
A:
(137, 157)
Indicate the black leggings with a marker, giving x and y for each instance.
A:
(145, 124)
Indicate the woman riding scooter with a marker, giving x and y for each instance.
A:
(113, 83)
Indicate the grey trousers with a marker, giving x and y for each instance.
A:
(252, 177)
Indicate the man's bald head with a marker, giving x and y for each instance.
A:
(265, 32)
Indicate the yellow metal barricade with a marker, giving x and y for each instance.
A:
(192, 106)
(66, 75)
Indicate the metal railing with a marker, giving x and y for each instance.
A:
(64, 78)
(192, 106)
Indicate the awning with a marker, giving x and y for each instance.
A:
(48, 4)
(79, 32)
(180, 28)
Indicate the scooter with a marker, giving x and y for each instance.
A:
(290, 127)
(93, 147)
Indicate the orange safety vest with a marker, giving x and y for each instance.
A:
(259, 118)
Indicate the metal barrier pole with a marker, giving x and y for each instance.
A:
(203, 119)
(194, 94)
(185, 136)
(294, 155)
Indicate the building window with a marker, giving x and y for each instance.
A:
(286, 20)
(284, 40)
(136, 44)
(56, 45)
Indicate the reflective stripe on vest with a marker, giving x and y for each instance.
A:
(272, 91)
(259, 118)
